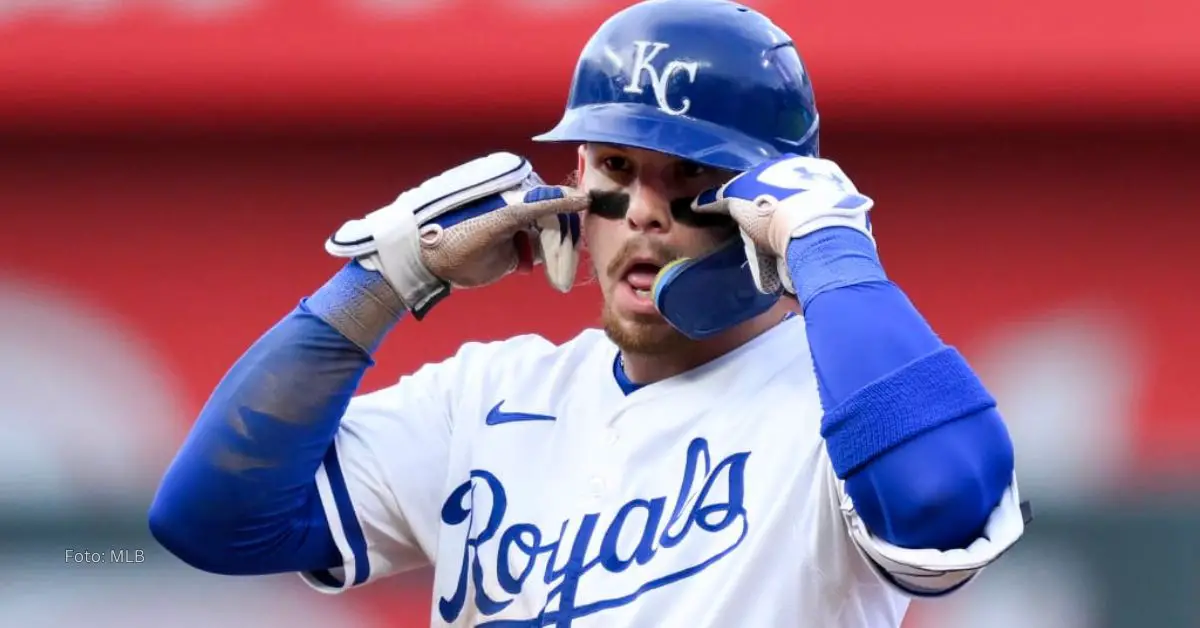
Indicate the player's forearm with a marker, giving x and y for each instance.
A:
(240, 496)
(925, 454)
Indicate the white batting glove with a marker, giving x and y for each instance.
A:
(782, 199)
(467, 227)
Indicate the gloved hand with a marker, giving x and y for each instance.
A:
(782, 199)
(468, 227)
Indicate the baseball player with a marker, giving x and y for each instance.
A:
(765, 432)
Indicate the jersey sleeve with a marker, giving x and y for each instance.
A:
(930, 572)
(381, 478)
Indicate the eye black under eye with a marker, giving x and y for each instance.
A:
(610, 205)
(681, 210)
(613, 206)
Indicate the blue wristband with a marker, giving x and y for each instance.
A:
(832, 258)
(926, 393)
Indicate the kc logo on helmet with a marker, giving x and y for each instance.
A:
(643, 64)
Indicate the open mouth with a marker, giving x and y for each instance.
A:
(640, 276)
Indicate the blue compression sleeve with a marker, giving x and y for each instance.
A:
(240, 497)
(924, 452)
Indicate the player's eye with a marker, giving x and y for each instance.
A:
(692, 170)
(615, 163)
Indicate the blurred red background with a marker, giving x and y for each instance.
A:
(174, 173)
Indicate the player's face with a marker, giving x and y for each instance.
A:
(639, 220)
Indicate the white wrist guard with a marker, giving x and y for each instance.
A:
(389, 239)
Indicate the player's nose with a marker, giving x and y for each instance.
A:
(649, 209)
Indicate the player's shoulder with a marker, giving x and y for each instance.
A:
(531, 347)
(531, 354)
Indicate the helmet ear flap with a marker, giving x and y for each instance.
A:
(704, 296)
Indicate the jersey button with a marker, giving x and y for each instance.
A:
(597, 486)
(613, 436)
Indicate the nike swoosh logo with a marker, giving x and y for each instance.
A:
(496, 416)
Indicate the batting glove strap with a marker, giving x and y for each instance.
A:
(388, 240)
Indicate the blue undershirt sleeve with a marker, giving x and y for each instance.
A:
(908, 425)
(240, 496)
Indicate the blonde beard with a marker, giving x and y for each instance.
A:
(646, 336)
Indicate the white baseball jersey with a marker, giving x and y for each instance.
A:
(545, 496)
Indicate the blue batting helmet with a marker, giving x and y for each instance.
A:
(710, 81)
